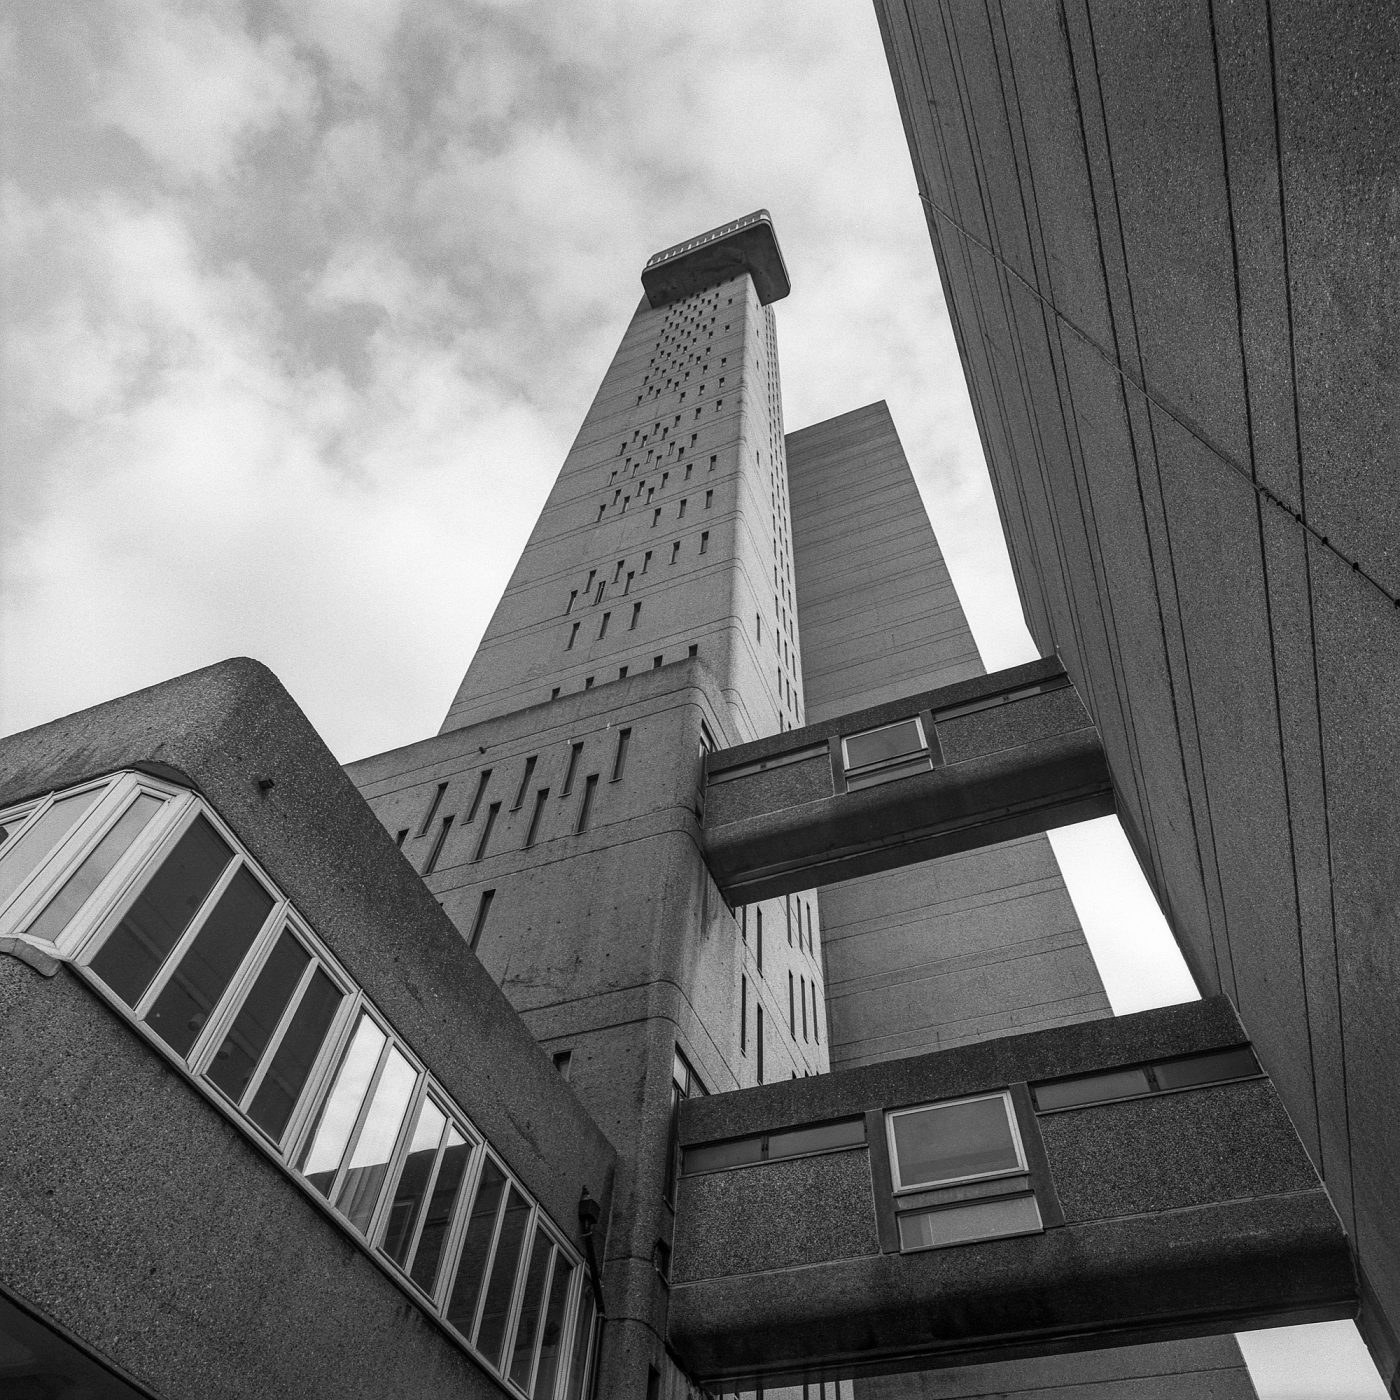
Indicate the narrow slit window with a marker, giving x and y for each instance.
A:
(743, 1014)
(675, 550)
(575, 750)
(816, 1024)
(598, 596)
(656, 517)
(680, 514)
(802, 987)
(482, 779)
(491, 813)
(401, 837)
(532, 835)
(433, 806)
(758, 937)
(704, 542)
(603, 626)
(573, 598)
(588, 682)
(709, 499)
(564, 1063)
(792, 1008)
(636, 613)
(430, 864)
(573, 634)
(524, 782)
(758, 1041)
(656, 663)
(483, 908)
(622, 673)
(627, 587)
(624, 740)
(693, 649)
(646, 559)
(585, 807)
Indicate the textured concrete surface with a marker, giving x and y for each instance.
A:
(168, 1238)
(1166, 236)
(978, 944)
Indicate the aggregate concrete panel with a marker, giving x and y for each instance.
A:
(776, 1215)
(170, 1239)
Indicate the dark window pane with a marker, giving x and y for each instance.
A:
(1207, 1069)
(232, 1067)
(793, 1142)
(583, 1337)
(282, 1084)
(449, 1182)
(522, 1355)
(184, 1004)
(134, 951)
(950, 1142)
(17, 860)
(320, 1159)
(491, 1336)
(714, 1156)
(466, 1287)
(1092, 1088)
(978, 1220)
(553, 1332)
(412, 1189)
(878, 745)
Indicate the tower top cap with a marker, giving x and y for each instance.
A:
(744, 245)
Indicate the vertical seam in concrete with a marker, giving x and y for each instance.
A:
(1312, 631)
(1085, 493)
(1166, 519)
(1264, 569)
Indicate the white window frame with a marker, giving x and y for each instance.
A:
(903, 1188)
(866, 770)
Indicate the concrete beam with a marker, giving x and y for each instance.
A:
(947, 770)
(1162, 1194)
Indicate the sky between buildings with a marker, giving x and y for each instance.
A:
(305, 301)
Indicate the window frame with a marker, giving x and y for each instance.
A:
(899, 1187)
(884, 770)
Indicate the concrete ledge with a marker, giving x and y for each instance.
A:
(745, 245)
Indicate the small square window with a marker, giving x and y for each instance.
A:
(962, 1140)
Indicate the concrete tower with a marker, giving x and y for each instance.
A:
(652, 616)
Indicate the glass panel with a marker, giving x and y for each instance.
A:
(232, 1067)
(491, 1337)
(466, 1287)
(953, 1141)
(982, 1220)
(321, 1159)
(18, 859)
(1207, 1069)
(921, 763)
(793, 1142)
(714, 1156)
(286, 1076)
(583, 1337)
(449, 1182)
(893, 741)
(413, 1182)
(135, 949)
(1092, 1088)
(184, 1004)
(553, 1332)
(78, 887)
(522, 1356)
(369, 1163)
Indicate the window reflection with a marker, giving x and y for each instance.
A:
(412, 1189)
(237, 1058)
(321, 1159)
(471, 1269)
(286, 1076)
(20, 858)
(491, 1335)
(451, 1170)
(531, 1307)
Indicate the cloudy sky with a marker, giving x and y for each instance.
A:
(305, 300)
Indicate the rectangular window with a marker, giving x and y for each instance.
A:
(675, 550)
(617, 572)
(680, 514)
(601, 510)
(693, 649)
(564, 1062)
(554, 694)
(430, 864)
(792, 1008)
(482, 780)
(573, 596)
(602, 587)
(656, 663)
(603, 626)
(884, 754)
(636, 613)
(758, 937)
(491, 813)
(974, 1220)
(524, 782)
(960, 1140)
(483, 908)
(401, 837)
(743, 1014)
(816, 1024)
(574, 751)
(588, 682)
(709, 499)
(573, 634)
(585, 808)
(624, 739)
(704, 542)
(432, 809)
(802, 989)
(646, 559)
(744, 923)
(758, 1040)
(787, 916)
(627, 587)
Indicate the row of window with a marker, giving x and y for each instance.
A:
(622, 671)
(154, 902)
(582, 819)
(624, 501)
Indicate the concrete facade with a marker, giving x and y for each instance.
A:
(981, 943)
(1166, 236)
